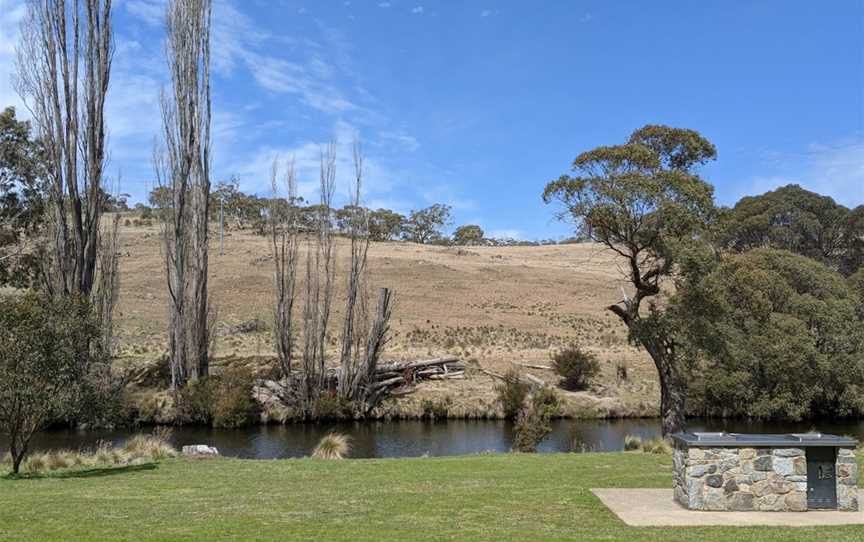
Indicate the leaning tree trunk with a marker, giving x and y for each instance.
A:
(673, 387)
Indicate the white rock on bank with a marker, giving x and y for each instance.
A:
(200, 450)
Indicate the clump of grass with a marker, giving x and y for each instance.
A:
(654, 445)
(632, 443)
(657, 445)
(136, 450)
(332, 446)
(155, 446)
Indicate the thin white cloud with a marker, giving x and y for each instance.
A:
(586, 18)
(418, 10)
(835, 170)
(151, 12)
(403, 141)
(11, 14)
(384, 4)
(506, 233)
(488, 12)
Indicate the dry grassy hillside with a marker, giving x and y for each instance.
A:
(495, 305)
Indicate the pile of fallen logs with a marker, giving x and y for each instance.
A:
(404, 374)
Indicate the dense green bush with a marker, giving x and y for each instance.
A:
(511, 394)
(532, 426)
(575, 367)
(233, 404)
(545, 401)
(777, 336)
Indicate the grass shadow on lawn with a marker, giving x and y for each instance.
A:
(96, 472)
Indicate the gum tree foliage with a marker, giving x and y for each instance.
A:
(797, 220)
(469, 234)
(644, 201)
(41, 374)
(778, 336)
(426, 225)
(385, 225)
(22, 200)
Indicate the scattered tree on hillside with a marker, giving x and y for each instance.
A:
(425, 225)
(644, 201)
(385, 225)
(183, 169)
(41, 340)
(468, 235)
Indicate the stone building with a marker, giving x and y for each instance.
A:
(796, 472)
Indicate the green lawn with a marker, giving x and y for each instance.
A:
(484, 497)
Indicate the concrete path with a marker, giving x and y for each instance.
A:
(656, 508)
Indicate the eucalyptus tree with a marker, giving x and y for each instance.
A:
(182, 167)
(645, 202)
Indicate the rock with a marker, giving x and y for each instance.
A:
(761, 488)
(781, 488)
(699, 471)
(730, 487)
(783, 466)
(715, 480)
(715, 499)
(740, 502)
(747, 453)
(763, 463)
(799, 466)
(788, 452)
(198, 450)
(758, 477)
(796, 502)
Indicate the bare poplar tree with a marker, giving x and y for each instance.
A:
(320, 275)
(183, 166)
(63, 67)
(285, 239)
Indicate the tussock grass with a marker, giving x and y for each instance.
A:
(136, 450)
(654, 445)
(332, 446)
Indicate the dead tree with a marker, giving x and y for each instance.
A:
(183, 166)
(356, 380)
(320, 275)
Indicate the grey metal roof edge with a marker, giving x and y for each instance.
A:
(782, 440)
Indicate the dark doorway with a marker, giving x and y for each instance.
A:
(821, 478)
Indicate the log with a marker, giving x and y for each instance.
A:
(534, 380)
(533, 366)
(402, 366)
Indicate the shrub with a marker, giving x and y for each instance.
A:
(511, 394)
(127, 222)
(575, 367)
(233, 404)
(546, 402)
(530, 430)
(330, 407)
(436, 410)
(332, 446)
(194, 402)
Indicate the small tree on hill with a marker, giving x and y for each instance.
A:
(41, 341)
(470, 234)
(425, 225)
(644, 202)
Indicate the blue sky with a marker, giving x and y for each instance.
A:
(479, 103)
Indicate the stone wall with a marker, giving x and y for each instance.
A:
(847, 480)
(765, 479)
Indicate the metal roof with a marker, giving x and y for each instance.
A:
(748, 440)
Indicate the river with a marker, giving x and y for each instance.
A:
(418, 438)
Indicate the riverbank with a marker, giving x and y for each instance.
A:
(479, 497)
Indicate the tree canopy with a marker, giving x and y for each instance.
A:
(778, 336)
(644, 201)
